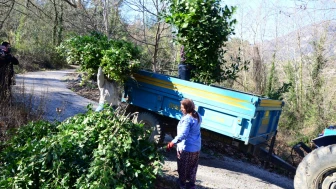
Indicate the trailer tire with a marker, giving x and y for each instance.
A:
(317, 169)
(152, 122)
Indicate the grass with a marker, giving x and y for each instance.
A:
(19, 109)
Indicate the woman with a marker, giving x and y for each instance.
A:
(188, 142)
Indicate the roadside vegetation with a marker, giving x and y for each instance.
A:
(94, 150)
(18, 110)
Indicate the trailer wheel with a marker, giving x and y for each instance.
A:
(317, 170)
(151, 122)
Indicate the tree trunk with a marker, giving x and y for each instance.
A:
(105, 15)
(257, 70)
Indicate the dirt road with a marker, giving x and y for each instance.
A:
(222, 172)
(48, 90)
(219, 172)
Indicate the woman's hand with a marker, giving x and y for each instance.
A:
(170, 145)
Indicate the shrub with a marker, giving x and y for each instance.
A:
(202, 28)
(92, 150)
(118, 58)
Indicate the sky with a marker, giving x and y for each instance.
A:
(265, 19)
(260, 20)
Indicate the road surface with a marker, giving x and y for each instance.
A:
(48, 92)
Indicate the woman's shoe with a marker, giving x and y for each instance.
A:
(191, 186)
(181, 184)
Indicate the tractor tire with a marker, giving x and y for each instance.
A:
(151, 122)
(317, 170)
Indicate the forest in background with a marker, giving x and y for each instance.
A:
(297, 67)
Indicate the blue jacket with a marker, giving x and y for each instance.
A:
(188, 134)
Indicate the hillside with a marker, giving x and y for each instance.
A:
(300, 42)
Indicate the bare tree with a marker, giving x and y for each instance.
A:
(149, 29)
(6, 7)
(258, 71)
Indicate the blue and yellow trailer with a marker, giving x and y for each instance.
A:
(242, 119)
(242, 116)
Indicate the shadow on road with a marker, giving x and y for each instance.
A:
(235, 168)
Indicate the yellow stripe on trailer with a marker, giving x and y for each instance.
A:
(193, 91)
(270, 103)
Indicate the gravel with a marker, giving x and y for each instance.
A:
(222, 172)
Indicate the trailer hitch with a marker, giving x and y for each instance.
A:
(298, 149)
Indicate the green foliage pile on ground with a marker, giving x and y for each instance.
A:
(118, 58)
(95, 150)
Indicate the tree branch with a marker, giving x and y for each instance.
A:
(7, 15)
(71, 3)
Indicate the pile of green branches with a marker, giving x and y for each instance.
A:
(119, 59)
(92, 150)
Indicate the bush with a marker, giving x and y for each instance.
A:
(120, 61)
(202, 28)
(93, 150)
(118, 58)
